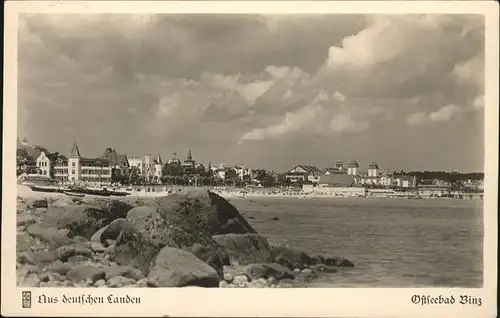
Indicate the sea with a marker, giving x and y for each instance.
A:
(392, 242)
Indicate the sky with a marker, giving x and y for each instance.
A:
(405, 91)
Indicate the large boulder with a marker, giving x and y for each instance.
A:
(177, 268)
(245, 249)
(214, 256)
(84, 219)
(50, 235)
(110, 231)
(177, 220)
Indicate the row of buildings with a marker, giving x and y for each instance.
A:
(151, 168)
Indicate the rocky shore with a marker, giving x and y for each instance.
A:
(196, 238)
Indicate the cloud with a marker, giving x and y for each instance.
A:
(346, 123)
(443, 114)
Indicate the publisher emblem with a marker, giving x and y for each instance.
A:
(26, 299)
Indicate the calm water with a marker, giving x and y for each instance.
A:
(393, 242)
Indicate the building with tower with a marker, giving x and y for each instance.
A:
(339, 165)
(189, 162)
(373, 170)
(352, 168)
(149, 167)
(44, 165)
(78, 168)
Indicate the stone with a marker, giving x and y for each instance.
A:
(77, 259)
(97, 247)
(120, 281)
(59, 267)
(228, 277)
(39, 203)
(23, 242)
(43, 258)
(178, 220)
(100, 282)
(67, 251)
(266, 270)
(338, 261)
(244, 249)
(109, 232)
(214, 256)
(25, 258)
(125, 271)
(49, 235)
(142, 282)
(324, 268)
(81, 272)
(25, 220)
(80, 240)
(223, 284)
(177, 268)
(291, 257)
(240, 279)
(259, 283)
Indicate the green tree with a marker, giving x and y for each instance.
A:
(23, 159)
(135, 176)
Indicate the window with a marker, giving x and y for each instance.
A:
(73, 164)
(73, 171)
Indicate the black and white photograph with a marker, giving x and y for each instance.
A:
(250, 150)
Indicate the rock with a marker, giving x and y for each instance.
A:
(214, 256)
(39, 203)
(240, 280)
(177, 268)
(259, 283)
(276, 218)
(65, 252)
(228, 277)
(266, 270)
(77, 259)
(288, 256)
(83, 271)
(142, 282)
(110, 231)
(100, 282)
(338, 261)
(43, 258)
(97, 247)
(324, 268)
(178, 220)
(49, 235)
(272, 281)
(244, 249)
(59, 267)
(125, 271)
(85, 220)
(25, 258)
(119, 281)
(80, 239)
(23, 242)
(25, 220)
(223, 284)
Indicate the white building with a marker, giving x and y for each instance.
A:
(352, 168)
(44, 165)
(373, 170)
(386, 180)
(77, 168)
(151, 168)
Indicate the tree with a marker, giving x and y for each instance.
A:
(23, 159)
(135, 175)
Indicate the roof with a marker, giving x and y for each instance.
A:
(373, 165)
(353, 164)
(98, 161)
(308, 169)
(158, 160)
(339, 180)
(333, 171)
(75, 152)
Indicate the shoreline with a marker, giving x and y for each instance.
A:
(25, 191)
